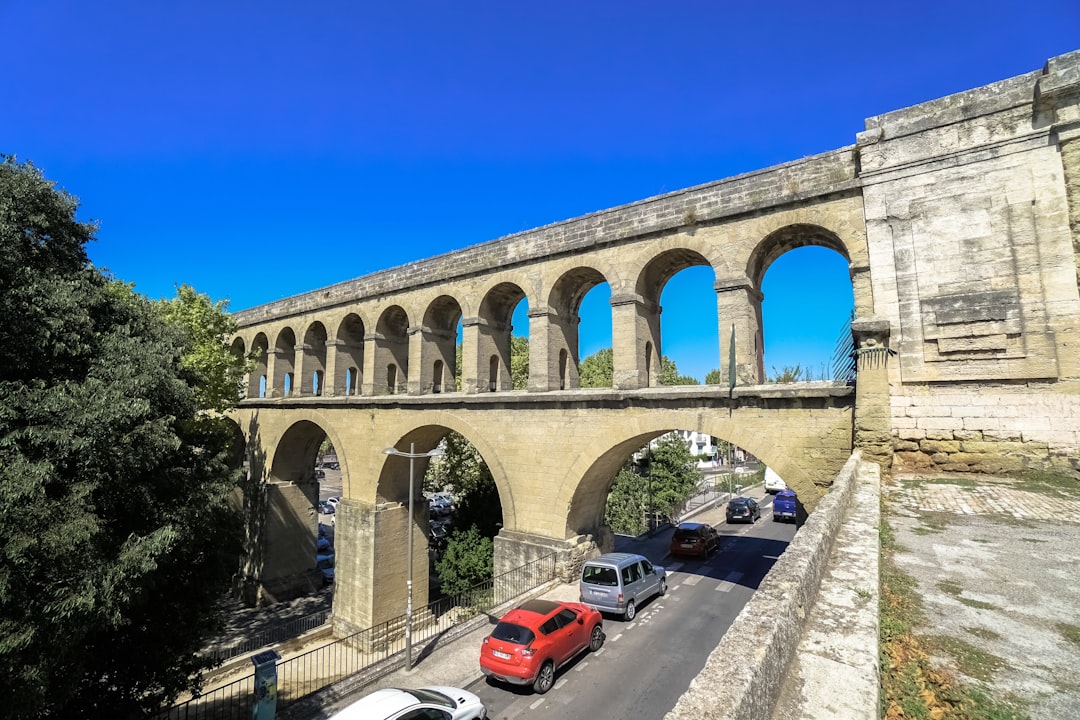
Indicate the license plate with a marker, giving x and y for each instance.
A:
(688, 545)
(500, 654)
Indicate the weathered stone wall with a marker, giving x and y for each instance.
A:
(973, 264)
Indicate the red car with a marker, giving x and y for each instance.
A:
(532, 641)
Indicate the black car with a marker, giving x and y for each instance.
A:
(743, 509)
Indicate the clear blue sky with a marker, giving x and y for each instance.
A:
(257, 150)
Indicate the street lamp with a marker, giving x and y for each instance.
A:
(412, 455)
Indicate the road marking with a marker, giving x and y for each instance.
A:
(729, 582)
(599, 652)
(675, 567)
(692, 580)
(560, 683)
(771, 557)
(582, 666)
(631, 625)
(537, 704)
(616, 637)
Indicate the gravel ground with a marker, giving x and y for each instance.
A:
(996, 566)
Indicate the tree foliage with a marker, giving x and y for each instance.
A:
(669, 374)
(597, 370)
(519, 362)
(790, 374)
(462, 470)
(116, 539)
(469, 560)
(713, 377)
(664, 475)
(219, 373)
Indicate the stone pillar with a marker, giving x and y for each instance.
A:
(298, 369)
(369, 592)
(271, 363)
(635, 339)
(417, 380)
(515, 549)
(282, 526)
(542, 377)
(332, 385)
(738, 303)
(873, 413)
(371, 386)
(471, 352)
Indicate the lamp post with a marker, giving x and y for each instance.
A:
(412, 455)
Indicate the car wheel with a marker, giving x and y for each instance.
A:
(545, 678)
(596, 638)
(631, 611)
(663, 586)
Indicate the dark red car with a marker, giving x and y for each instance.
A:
(696, 539)
(533, 640)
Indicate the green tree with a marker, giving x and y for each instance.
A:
(790, 374)
(669, 374)
(713, 377)
(627, 502)
(672, 472)
(597, 370)
(219, 373)
(462, 469)
(116, 537)
(519, 361)
(469, 560)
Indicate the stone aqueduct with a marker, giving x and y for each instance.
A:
(960, 221)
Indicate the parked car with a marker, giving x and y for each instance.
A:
(333, 500)
(773, 482)
(439, 535)
(322, 543)
(534, 640)
(743, 509)
(324, 562)
(692, 538)
(619, 582)
(436, 701)
(325, 508)
(785, 506)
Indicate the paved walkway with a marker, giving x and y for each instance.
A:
(989, 497)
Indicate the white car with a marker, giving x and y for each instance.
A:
(436, 701)
(773, 482)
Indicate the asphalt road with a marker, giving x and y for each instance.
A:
(646, 664)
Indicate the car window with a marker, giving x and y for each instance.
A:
(631, 573)
(509, 632)
(646, 566)
(550, 626)
(565, 617)
(425, 714)
(595, 575)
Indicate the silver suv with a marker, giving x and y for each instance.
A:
(619, 582)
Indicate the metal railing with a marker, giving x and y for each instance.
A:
(303, 674)
(271, 636)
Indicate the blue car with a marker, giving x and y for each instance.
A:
(784, 505)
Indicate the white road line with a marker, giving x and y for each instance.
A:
(537, 704)
(560, 683)
(582, 666)
(599, 652)
(674, 567)
(616, 637)
(631, 626)
(729, 582)
(692, 580)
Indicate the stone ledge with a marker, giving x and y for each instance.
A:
(753, 657)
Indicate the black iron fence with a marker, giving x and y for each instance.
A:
(303, 674)
(271, 636)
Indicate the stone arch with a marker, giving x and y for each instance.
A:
(390, 352)
(586, 497)
(283, 381)
(486, 343)
(313, 367)
(258, 378)
(773, 246)
(563, 305)
(349, 356)
(438, 347)
(646, 351)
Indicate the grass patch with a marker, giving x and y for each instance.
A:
(977, 604)
(1048, 483)
(950, 587)
(1069, 632)
(982, 633)
(964, 482)
(970, 660)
